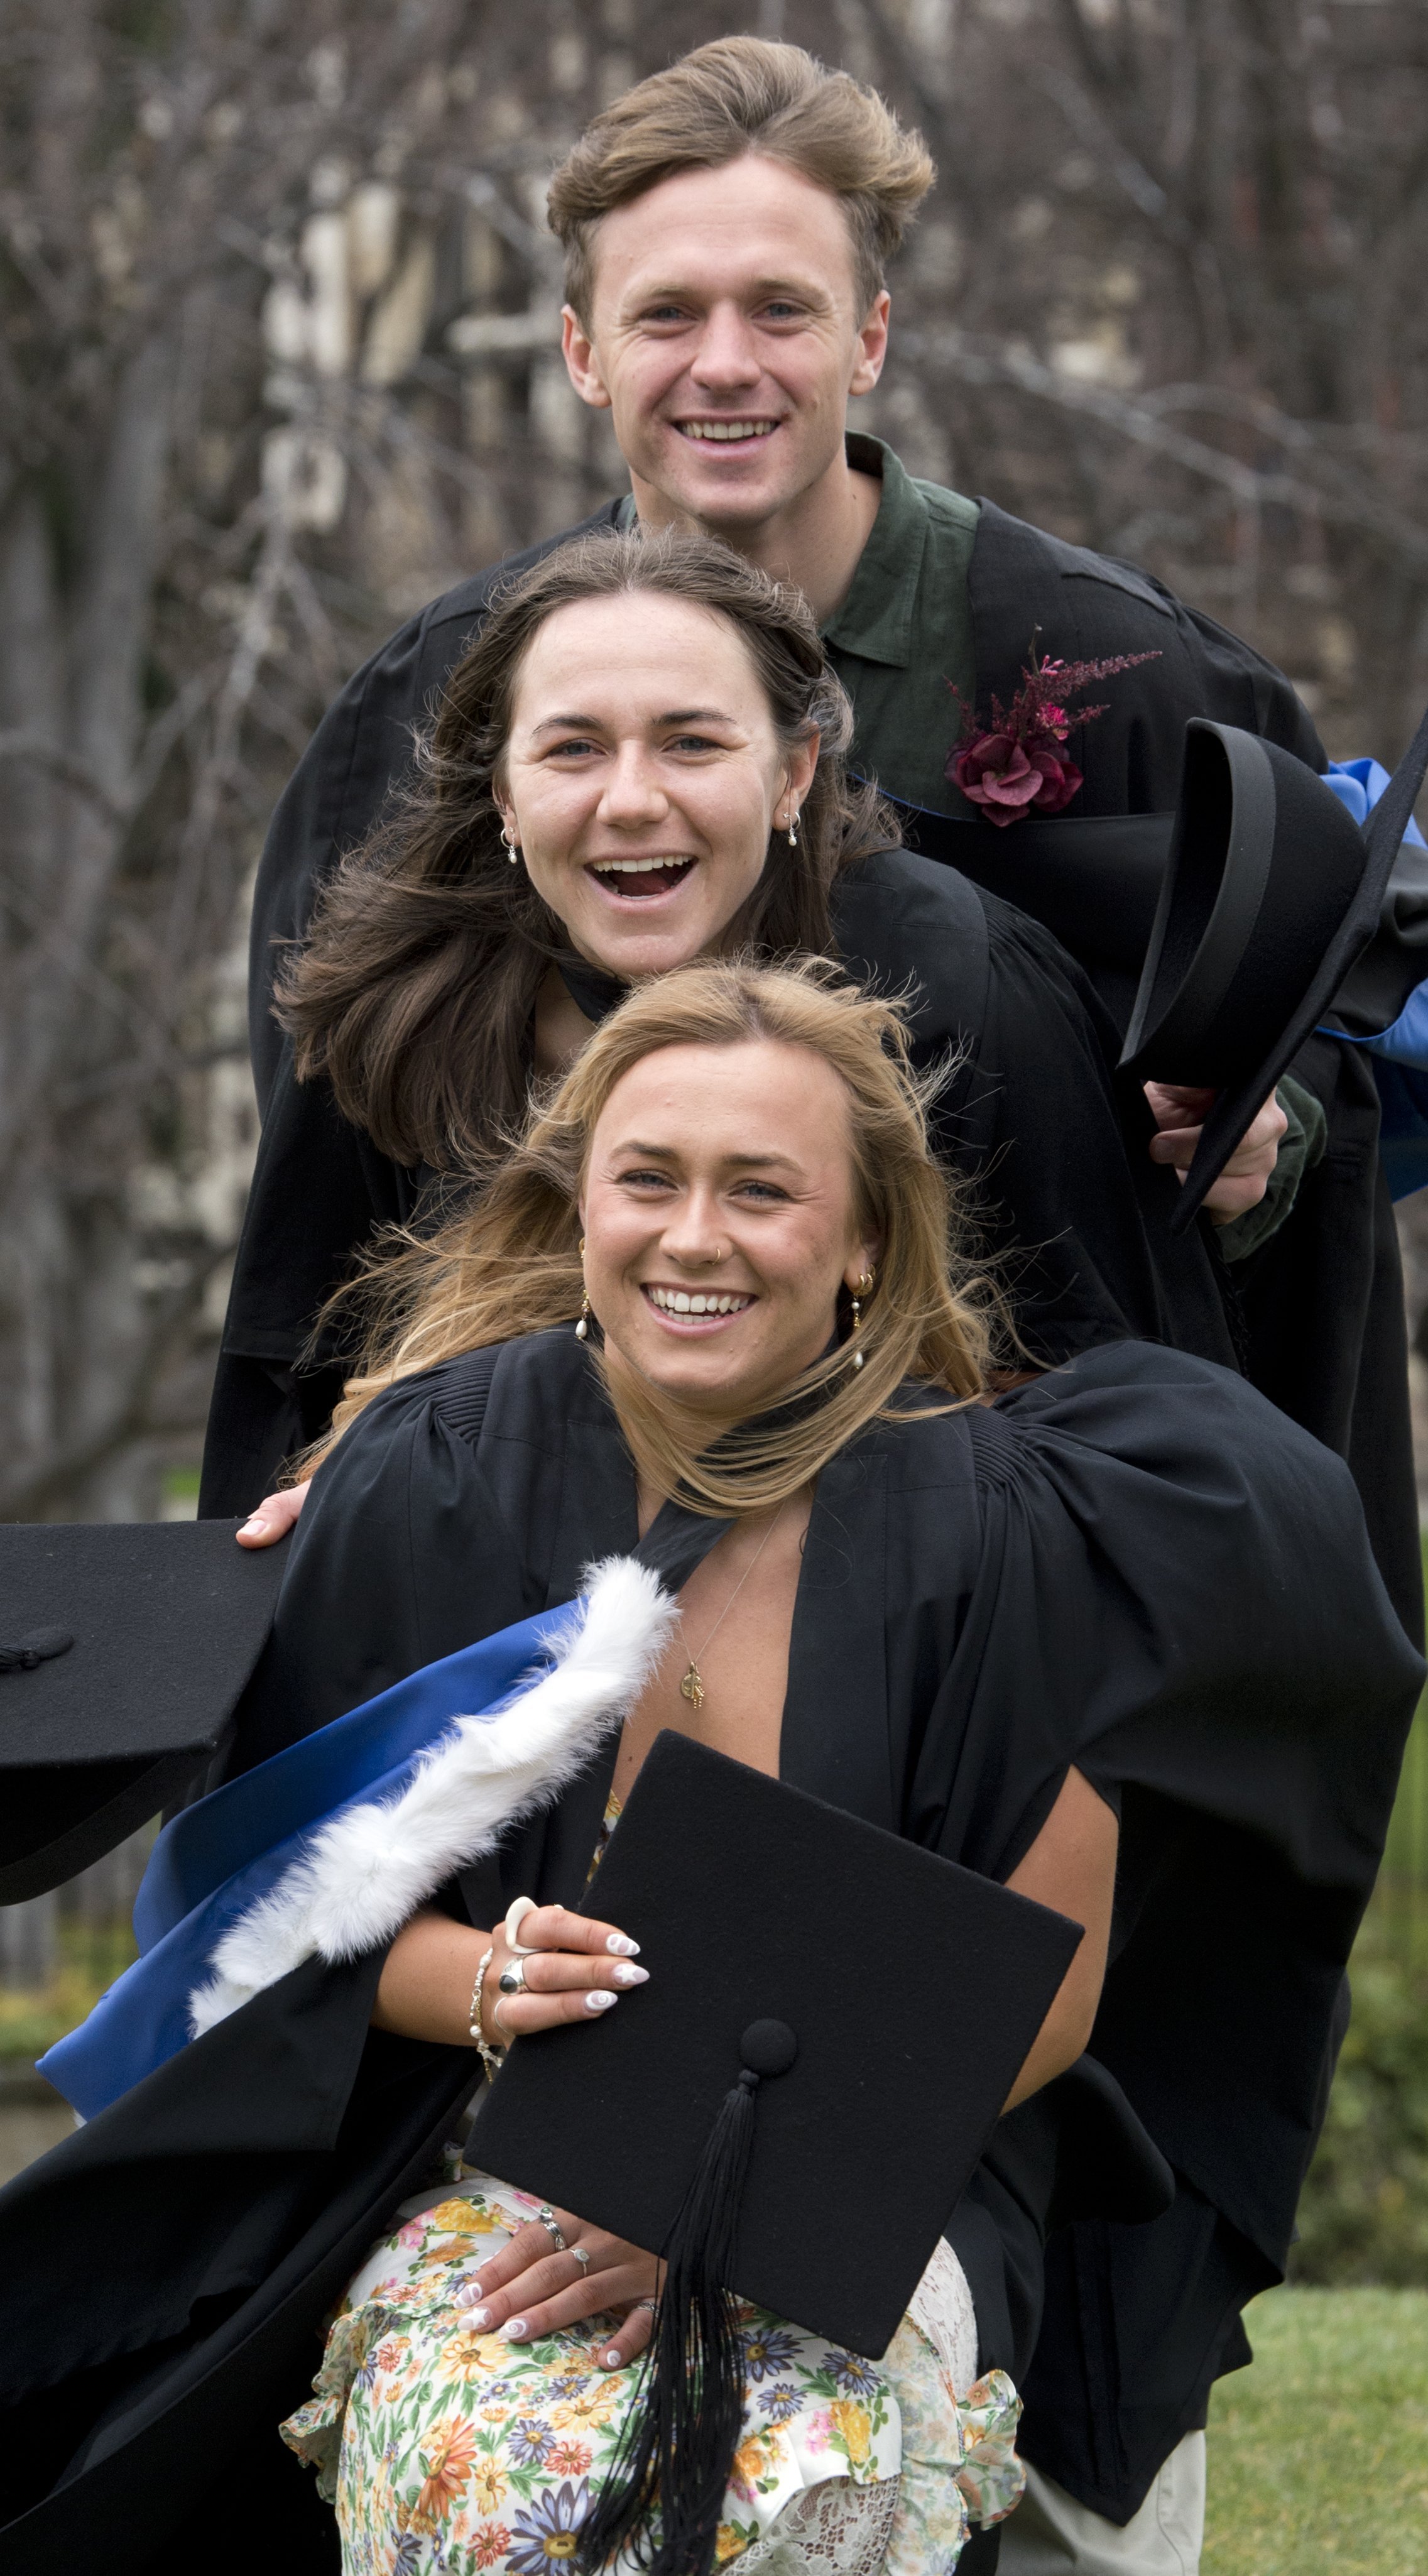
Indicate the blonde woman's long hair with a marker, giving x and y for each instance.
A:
(508, 1263)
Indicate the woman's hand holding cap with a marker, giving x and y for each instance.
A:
(568, 1970)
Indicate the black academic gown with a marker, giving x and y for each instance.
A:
(319, 1188)
(1315, 1317)
(1135, 1564)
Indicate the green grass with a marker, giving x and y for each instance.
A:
(1319, 2451)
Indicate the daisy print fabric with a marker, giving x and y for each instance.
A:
(446, 2450)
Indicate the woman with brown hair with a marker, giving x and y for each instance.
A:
(640, 760)
(1114, 1634)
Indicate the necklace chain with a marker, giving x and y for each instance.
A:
(692, 1686)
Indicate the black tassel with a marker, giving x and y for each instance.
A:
(678, 2445)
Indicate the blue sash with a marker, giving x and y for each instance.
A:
(220, 1857)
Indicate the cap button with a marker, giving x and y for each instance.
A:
(768, 2048)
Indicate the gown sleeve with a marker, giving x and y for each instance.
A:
(1176, 1594)
(319, 1191)
(1072, 1212)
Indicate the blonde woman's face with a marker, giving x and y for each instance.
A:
(643, 777)
(719, 1224)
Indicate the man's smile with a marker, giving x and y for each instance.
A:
(726, 433)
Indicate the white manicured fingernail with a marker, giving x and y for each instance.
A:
(479, 2317)
(610, 2358)
(625, 1975)
(622, 1946)
(515, 2330)
(598, 2000)
(251, 1529)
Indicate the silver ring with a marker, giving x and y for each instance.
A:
(512, 1979)
(548, 2220)
(581, 2257)
(651, 2304)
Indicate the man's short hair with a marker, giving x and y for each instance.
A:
(737, 96)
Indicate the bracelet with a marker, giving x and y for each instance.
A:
(491, 2058)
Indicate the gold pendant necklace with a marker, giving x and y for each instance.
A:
(692, 1686)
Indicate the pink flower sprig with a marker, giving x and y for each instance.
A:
(1017, 765)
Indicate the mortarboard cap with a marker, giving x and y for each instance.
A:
(827, 2002)
(124, 1649)
(1271, 895)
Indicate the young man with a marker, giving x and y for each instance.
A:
(726, 228)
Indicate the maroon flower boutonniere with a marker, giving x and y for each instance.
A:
(1017, 765)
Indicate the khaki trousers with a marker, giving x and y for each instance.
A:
(1050, 2534)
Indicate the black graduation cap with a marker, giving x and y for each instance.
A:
(827, 2002)
(1271, 894)
(124, 1649)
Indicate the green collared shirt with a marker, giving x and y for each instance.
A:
(905, 630)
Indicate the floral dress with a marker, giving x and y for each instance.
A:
(447, 2450)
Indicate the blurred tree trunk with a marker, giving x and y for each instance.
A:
(73, 699)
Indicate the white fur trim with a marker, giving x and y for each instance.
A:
(372, 1865)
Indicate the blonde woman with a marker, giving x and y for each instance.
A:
(1120, 1618)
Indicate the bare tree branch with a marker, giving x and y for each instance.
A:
(64, 765)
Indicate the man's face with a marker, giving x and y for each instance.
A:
(726, 340)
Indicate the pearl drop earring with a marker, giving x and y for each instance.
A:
(583, 1327)
(857, 1295)
(512, 848)
(792, 829)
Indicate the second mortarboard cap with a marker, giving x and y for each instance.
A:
(832, 2011)
(1272, 893)
(124, 1650)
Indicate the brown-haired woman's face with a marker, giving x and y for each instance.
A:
(719, 1219)
(643, 777)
